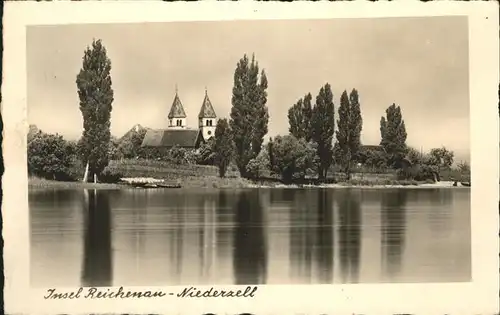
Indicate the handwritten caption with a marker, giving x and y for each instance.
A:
(121, 293)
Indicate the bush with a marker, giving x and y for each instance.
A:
(206, 153)
(419, 173)
(257, 166)
(291, 157)
(110, 176)
(51, 157)
(179, 156)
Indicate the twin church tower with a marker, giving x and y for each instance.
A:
(207, 119)
(178, 133)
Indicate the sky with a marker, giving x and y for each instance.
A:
(421, 64)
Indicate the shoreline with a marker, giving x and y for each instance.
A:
(230, 183)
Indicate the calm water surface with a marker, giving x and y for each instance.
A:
(260, 236)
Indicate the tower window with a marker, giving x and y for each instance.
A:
(209, 122)
(179, 122)
(209, 132)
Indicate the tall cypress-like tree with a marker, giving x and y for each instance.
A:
(356, 122)
(223, 146)
(349, 130)
(296, 120)
(393, 135)
(307, 116)
(343, 133)
(249, 113)
(323, 127)
(96, 98)
(299, 118)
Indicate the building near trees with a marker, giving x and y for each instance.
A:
(178, 133)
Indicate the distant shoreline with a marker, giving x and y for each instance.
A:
(229, 183)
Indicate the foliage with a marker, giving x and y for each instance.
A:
(291, 157)
(163, 169)
(249, 113)
(178, 155)
(32, 132)
(419, 172)
(206, 153)
(300, 118)
(113, 151)
(50, 156)
(373, 159)
(130, 144)
(153, 153)
(323, 126)
(258, 165)
(464, 167)
(349, 131)
(441, 157)
(110, 175)
(223, 146)
(393, 134)
(415, 157)
(96, 98)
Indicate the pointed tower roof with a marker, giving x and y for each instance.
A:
(177, 110)
(207, 110)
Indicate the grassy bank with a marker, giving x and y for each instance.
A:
(39, 183)
(199, 176)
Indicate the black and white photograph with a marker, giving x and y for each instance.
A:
(311, 151)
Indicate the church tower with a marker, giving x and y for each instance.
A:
(177, 116)
(207, 119)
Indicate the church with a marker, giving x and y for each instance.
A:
(177, 133)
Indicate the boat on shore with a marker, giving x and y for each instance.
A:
(149, 183)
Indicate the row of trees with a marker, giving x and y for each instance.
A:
(312, 146)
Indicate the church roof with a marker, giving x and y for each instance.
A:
(207, 110)
(185, 138)
(177, 110)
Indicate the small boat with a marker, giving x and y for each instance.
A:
(156, 184)
(466, 184)
(165, 185)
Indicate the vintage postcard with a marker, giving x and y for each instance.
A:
(264, 158)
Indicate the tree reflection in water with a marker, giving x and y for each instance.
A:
(250, 244)
(350, 235)
(97, 261)
(393, 225)
(324, 223)
(302, 235)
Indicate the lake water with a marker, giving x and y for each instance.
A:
(260, 236)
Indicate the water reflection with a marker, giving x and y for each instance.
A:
(393, 228)
(279, 236)
(302, 238)
(176, 242)
(206, 236)
(250, 248)
(349, 210)
(97, 262)
(324, 223)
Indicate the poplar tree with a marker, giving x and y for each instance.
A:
(96, 97)
(249, 113)
(223, 146)
(307, 114)
(296, 120)
(349, 130)
(299, 118)
(393, 135)
(323, 126)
